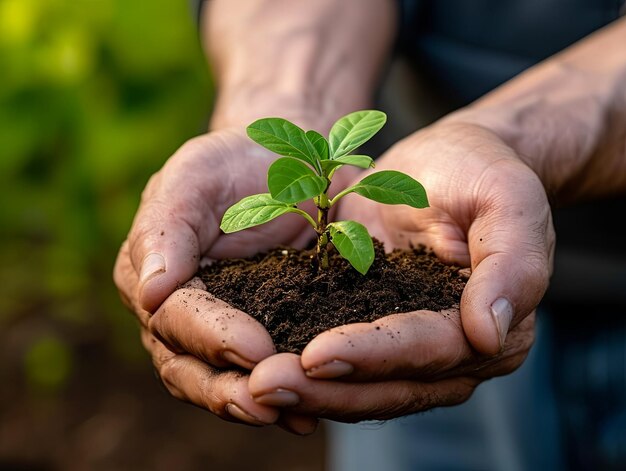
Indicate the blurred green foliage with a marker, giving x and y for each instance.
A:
(94, 96)
(47, 363)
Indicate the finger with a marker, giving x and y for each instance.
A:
(194, 321)
(126, 280)
(297, 423)
(177, 219)
(422, 345)
(164, 249)
(408, 345)
(516, 348)
(224, 393)
(351, 402)
(511, 241)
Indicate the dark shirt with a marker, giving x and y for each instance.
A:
(469, 47)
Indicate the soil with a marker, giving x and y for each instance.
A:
(284, 291)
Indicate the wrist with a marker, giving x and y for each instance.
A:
(270, 59)
(544, 137)
(238, 106)
(562, 121)
(503, 122)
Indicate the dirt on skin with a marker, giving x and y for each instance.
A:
(295, 302)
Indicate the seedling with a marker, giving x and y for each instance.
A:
(305, 171)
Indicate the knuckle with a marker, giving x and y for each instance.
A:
(151, 187)
(538, 267)
(416, 401)
(455, 346)
(149, 343)
(122, 271)
(161, 355)
(195, 283)
(450, 393)
(217, 389)
(191, 147)
(427, 396)
(464, 388)
(521, 338)
(163, 329)
(453, 351)
(151, 212)
(401, 401)
(211, 399)
(170, 372)
(511, 364)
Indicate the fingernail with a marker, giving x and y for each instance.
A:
(502, 313)
(239, 414)
(153, 264)
(332, 369)
(232, 357)
(279, 398)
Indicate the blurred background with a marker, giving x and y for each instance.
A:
(94, 97)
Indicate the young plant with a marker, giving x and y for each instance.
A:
(305, 171)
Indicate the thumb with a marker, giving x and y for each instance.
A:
(511, 247)
(164, 250)
(165, 254)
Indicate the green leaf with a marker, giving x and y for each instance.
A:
(284, 138)
(252, 211)
(361, 161)
(353, 243)
(319, 143)
(290, 181)
(353, 130)
(391, 187)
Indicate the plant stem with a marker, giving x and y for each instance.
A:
(306, 216)
(323, 206)
(340, 195)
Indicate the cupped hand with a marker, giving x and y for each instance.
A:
(489, 212)
(395, 366)
(191, 335)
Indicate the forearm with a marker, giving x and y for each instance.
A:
(566, 117)
(310, 61)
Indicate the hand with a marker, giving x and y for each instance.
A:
(395, 366)
(488, 211)
(192, 335)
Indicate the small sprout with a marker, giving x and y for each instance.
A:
(305, 170)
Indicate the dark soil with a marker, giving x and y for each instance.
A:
(295, 302)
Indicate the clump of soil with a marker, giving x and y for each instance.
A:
(295, 302)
